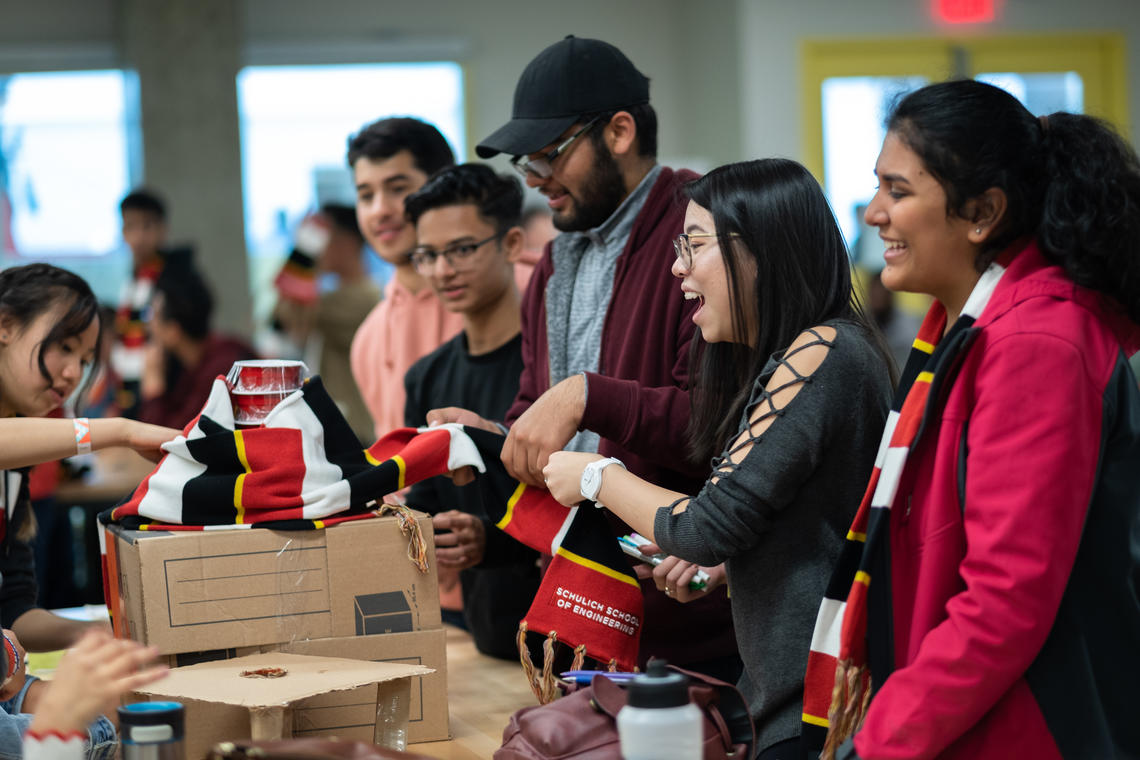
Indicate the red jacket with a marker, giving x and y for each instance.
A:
(638, 402)
(1014, 541)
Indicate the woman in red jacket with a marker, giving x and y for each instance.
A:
(996, 611)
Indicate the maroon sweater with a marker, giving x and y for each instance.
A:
(182, 401)
(638, 402)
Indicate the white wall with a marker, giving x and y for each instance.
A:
(769, 33)
(670, 41)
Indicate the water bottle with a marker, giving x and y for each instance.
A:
(658, 722)
(152, 731)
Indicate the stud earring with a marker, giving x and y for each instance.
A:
(978, 231)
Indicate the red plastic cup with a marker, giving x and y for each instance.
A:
(257, 376)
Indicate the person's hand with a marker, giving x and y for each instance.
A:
(147, 439)
(13, 685)
(460, 416)
(672, 576)
(91, 678)
(463, 475)
(547, 426)
(152, 381)
(460, 539)
(562, 475)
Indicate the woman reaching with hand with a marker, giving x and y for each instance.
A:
(49, 336)
(792, 384)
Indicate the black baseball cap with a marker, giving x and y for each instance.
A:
(572, 77)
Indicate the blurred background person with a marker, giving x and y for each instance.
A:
(324, 324)
(391, 159)
(184, 355)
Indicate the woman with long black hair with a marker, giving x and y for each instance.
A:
(49, 337)
(792, 384)
(996, 611)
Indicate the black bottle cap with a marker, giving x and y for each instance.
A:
(659, 687)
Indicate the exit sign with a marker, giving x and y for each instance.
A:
(964, 11)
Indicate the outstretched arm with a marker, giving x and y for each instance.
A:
(26, 441)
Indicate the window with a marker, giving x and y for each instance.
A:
(69, 144)
(295, 125)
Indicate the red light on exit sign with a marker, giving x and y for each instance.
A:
(964, 11)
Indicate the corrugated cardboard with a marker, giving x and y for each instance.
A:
(313, 699)
(218, 590)
(347, 711)
(427, 713)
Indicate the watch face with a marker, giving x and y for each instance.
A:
(590, 481)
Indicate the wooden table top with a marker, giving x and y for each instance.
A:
(482, 693)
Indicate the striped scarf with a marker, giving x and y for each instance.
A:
(304, 469)
(838, 682)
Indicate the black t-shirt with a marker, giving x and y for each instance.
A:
(497, 593)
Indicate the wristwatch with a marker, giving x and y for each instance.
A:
(592, 478)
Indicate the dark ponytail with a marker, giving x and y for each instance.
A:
(28, 291)
(1070, 181)
(1090, 218)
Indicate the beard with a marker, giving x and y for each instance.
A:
(601, 194)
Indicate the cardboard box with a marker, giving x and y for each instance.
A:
(427, 704)
(319, 696)
(427, 708)
(217, 590)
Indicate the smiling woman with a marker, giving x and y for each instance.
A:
(49, 338)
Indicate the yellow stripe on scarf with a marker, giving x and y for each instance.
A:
(506, 519)
(597, 567)
(371, 459)
(923, 346)
(240, 444)
(853, 536)
(924, 377)
(862, 577)
(814, 720)
(399, 460)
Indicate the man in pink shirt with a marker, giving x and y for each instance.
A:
(391, 159)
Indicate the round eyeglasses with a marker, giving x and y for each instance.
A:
(459, 256)
(683, 245)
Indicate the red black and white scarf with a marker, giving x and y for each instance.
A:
(305, 469)
(838, 682)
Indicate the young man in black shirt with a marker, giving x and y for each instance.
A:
(468, 237)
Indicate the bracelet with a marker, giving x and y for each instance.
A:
(82, 435)
(63, 736)
(13, 659)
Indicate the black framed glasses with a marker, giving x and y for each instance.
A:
(458, 255)
(543, 166)
(683, 245)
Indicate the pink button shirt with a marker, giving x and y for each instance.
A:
(402, 328)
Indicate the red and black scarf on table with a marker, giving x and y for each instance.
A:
(849, 657)
(305, 469)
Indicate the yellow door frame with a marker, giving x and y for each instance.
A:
(1098, 58)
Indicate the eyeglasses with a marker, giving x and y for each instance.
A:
(683, 245)
(458, 255)
(543, 166)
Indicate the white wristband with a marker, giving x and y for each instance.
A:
(82, 435)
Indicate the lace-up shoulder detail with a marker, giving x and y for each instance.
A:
(794, 370)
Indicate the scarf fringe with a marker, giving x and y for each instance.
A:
(849, 701)
(543, 684)
(417, 546)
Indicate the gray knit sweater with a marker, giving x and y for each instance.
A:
(779, 518)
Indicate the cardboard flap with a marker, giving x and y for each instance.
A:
(307, 676)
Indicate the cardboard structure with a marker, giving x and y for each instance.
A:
(314, 696)
(219, 589)
(346, 591)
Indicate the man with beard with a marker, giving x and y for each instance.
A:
(606, 331)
